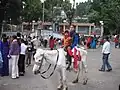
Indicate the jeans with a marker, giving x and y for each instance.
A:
(105, 62)
(116, 44)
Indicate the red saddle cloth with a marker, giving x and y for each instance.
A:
(77, 55)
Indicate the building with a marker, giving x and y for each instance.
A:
(81, 28)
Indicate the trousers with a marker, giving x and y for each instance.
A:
(13, 66)
(106, 62)
(21, 63)
(28, 58)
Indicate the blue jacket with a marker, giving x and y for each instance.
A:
(75, 40)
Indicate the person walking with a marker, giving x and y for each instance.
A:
(106, 53)
(21, 61)
(14, 56)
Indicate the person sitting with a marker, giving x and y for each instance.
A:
(67, 46)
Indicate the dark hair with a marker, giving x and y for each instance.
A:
(18, 34)
(5, 39)
(22, 41)
(51, 37)
(4, 36)
(66, 31)
(107, 38)
(77, 34)
(14, 37)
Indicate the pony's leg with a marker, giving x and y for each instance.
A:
(61, 78)
(84, 71)
(77, 75)
(63, 71)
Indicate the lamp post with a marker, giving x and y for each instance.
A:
(51, 29)
(102, 28)
(33, 25)
(22, 24)
(43, 10)
(3, 23)
(10, 25)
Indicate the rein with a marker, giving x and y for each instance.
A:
(41, 73)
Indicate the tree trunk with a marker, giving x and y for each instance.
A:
(2, 11)
(1, 19)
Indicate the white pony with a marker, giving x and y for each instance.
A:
(55, 57)
(58, 58)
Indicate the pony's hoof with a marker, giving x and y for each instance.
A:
(85, 82)
(60, 87)
(75, 81)
(65, 88)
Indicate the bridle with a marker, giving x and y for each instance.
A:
(40, 65)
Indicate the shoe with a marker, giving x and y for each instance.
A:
(14, 78)
(68, 68)
(109, 70)
(17, 77)
(27, 65)
(101, 70)
(21, 74)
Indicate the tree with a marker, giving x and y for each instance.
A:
(32, 10)
(2, 11)
(9, 9)
(82, 10)
(107, 11)
(52, 12)
(13, 11)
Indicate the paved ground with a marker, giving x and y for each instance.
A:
(97, 80)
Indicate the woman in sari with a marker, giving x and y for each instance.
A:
(5, 68)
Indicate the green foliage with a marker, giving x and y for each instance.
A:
(13, 11)
(82, 10)
(107, 11)
(32, 10)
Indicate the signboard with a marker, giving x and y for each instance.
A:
(83, 30)
(48, 33)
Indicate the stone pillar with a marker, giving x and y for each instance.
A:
(63, 28)
(90, 29)
(77, 28)
(102, 30)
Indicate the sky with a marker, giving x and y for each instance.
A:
(78, 0)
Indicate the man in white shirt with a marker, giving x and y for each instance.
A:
(21, 61)
(106, 53)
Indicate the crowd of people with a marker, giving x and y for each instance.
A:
(72, 39)
(16, 52)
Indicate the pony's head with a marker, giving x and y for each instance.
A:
(39, 55)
